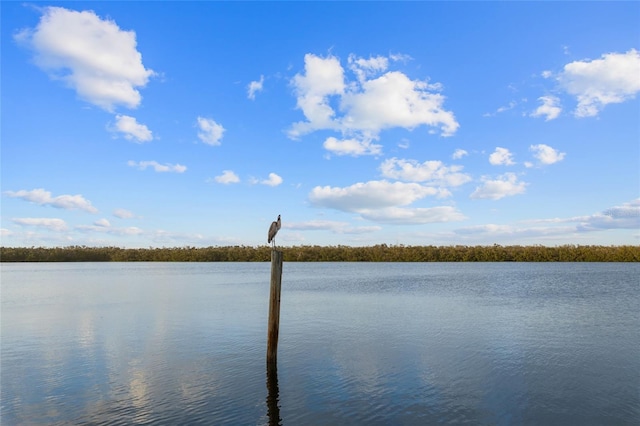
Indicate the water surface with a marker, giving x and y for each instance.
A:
(360, 343)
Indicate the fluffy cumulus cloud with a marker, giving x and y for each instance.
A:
(434, 172)
(44, 198)
(363, 100)
(495, 189)
(613, 78)
(91, 55)
(459, 153)
(385, 202)
(545, 154)
(210, 131)
(394, 100)
(550, 108)
(160, 168)
(131, 129)
(50, 224)
(323, 77)
(501, 157)
(227, 177)
(273, 180)
(353, 147)
(254, 87)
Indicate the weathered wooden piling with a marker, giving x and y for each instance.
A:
(274, 307)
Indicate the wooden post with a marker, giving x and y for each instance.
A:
(274, 307)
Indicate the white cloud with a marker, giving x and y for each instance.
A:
(91, 55)
(596, 83)
(501, 109)
(123, 214)
(429, 171)
(106, 228)
(210, 131)
(254, 87)
(495, 189)
(364, 68)
(50, 224)
(626, 216)
(131, 129)
(227, 177)
(501, 156)
(407, 216)
(550, 108)
(545, 154)
(333, 226)
(160, 168)
(44, 198)
(367, 104)
(323, 77)
(459, 153)
(510, 232)
(369, 195)
(274, 180)
(394, 100)
(102, 222)
(352, 147)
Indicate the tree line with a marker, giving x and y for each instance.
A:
(376, 253)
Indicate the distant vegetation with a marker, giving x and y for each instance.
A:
(377, 253)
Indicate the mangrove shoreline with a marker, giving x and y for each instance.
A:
(377, 253)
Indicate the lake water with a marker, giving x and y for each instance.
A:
(360, 344)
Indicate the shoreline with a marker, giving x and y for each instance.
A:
(377, 253)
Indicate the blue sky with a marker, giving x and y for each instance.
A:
(140, 124)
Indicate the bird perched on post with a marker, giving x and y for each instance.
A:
(273, 230)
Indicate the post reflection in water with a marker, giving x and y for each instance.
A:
(273, 408)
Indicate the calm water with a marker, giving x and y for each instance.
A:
(360, 344)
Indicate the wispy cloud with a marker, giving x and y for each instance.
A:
(331, 226)
(254, 87)
(123, 214)
(44, 198)
(625, 216)
(160, 168)
(501, 109)
(51, 224)
(413, 216)
(91, 55)
(369, 195)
